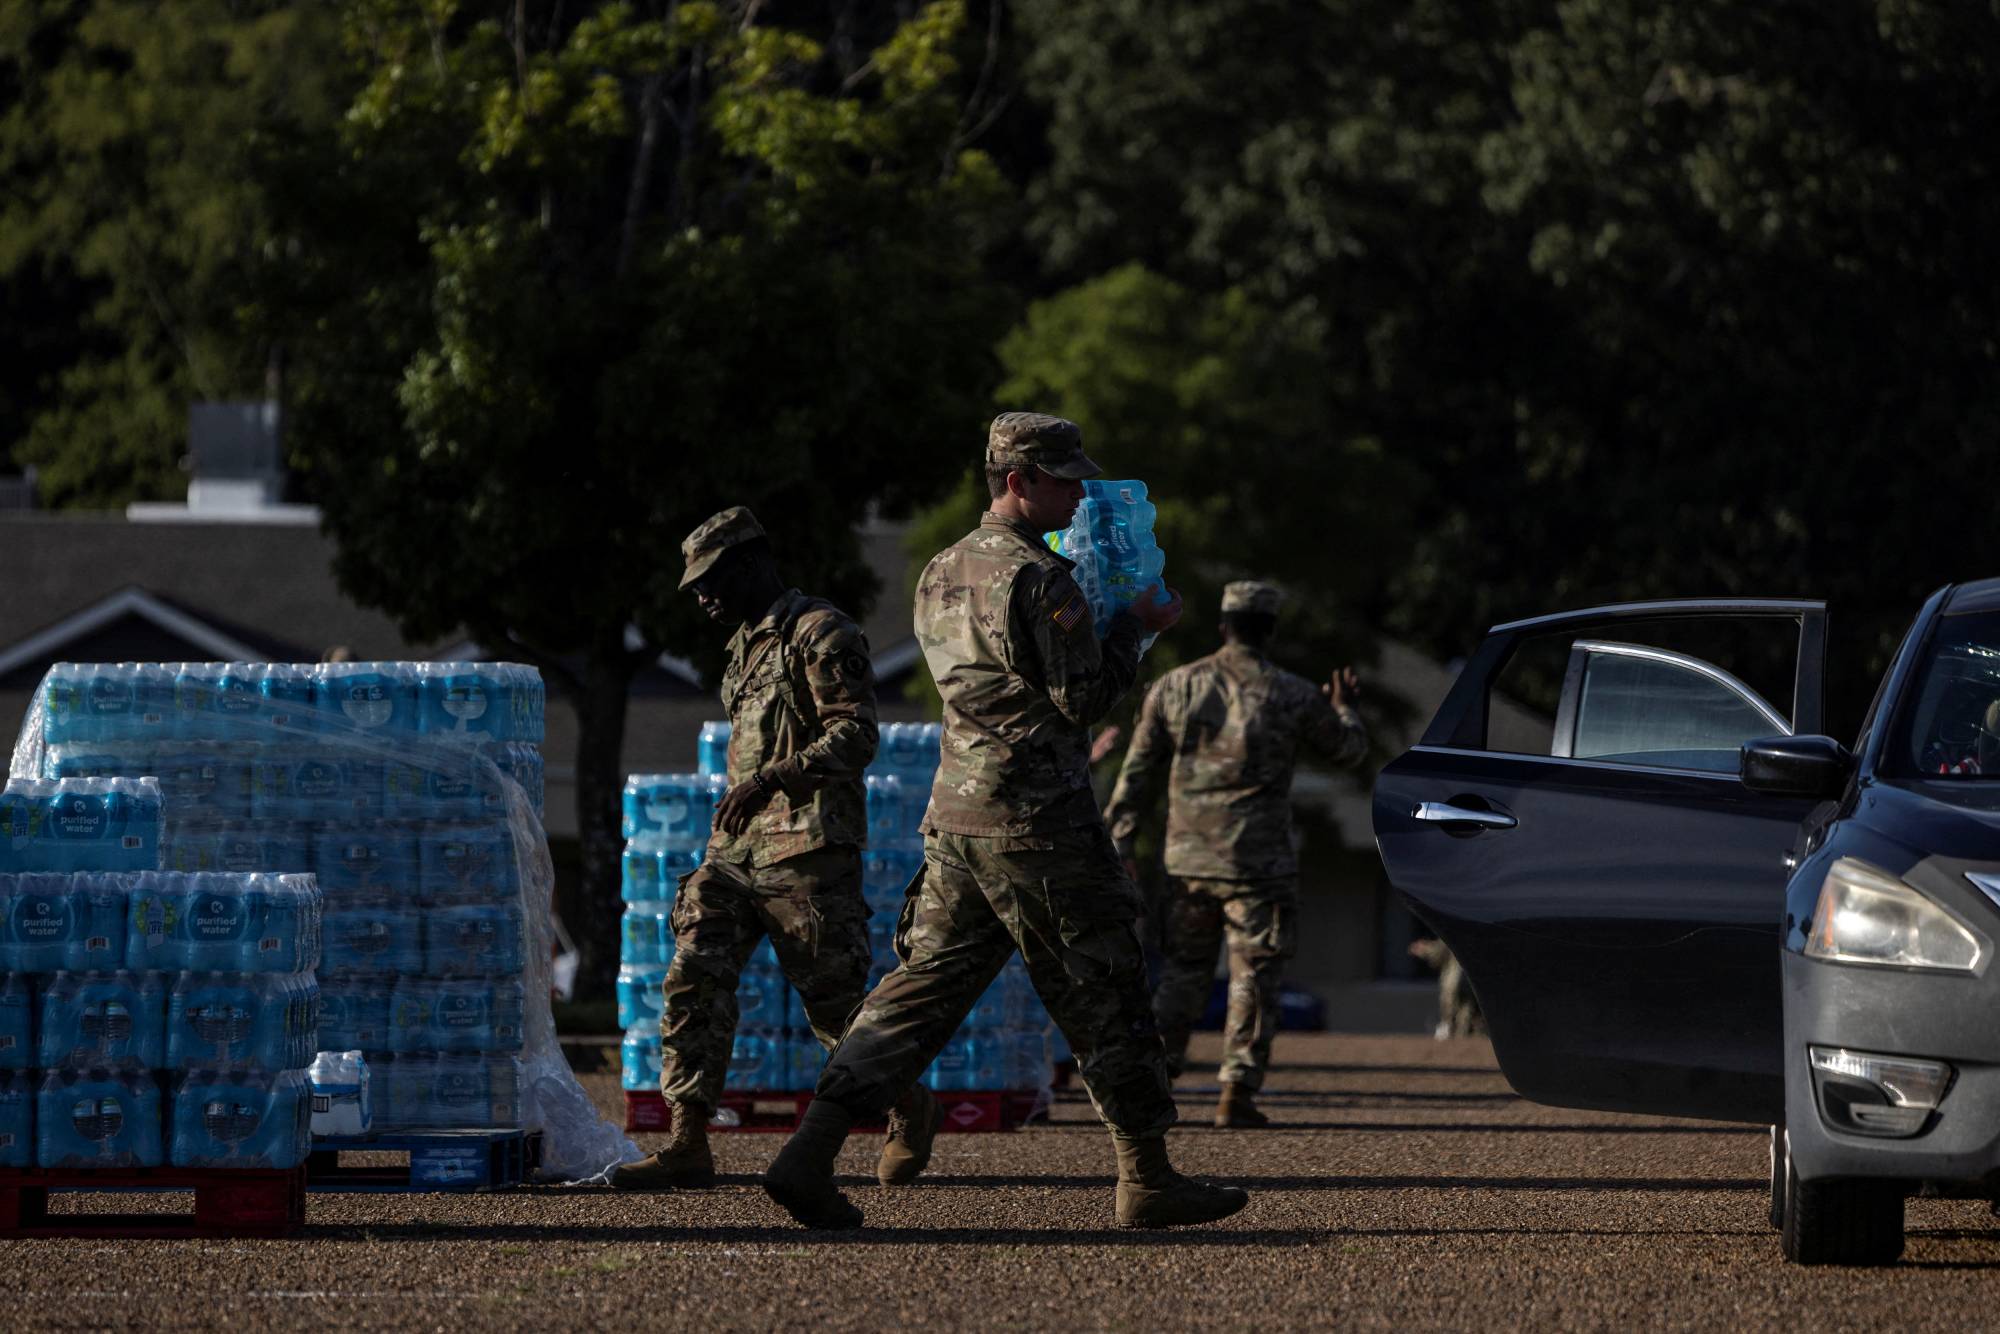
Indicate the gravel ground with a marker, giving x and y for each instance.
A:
(1404, 1186)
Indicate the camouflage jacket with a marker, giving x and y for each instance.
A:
(800, 693)
(1228, 728)
(1011, 644)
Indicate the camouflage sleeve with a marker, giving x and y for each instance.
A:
(841, 678)
(1338, 735)
(1150, 752)
(1084, 677)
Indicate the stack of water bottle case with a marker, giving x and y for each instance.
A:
(146, 1017)
(1004, 1043)
(383, 781)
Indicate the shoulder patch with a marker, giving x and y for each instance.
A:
(1070, 612)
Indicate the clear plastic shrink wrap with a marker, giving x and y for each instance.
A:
(412, 792)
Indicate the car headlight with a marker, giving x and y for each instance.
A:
(1867, 916)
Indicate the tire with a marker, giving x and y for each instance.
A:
(1781, 1154)
(1841, 1220)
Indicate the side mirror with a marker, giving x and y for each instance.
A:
(1796, 766)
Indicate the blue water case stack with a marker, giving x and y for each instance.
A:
(134, 993)
(1004, 1043)
(389, 782)
(1110, 538)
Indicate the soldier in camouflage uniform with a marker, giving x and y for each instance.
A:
(784, 857)
(1015, 852)
(1227, 730)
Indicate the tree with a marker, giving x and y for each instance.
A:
(571, 278)
(130, 222)
(1659, 299)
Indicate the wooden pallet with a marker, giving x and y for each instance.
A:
(446, 1160)
(228, 1202)
(973, 1112)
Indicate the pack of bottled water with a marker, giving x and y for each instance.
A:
(409, 795)
(1110, 538)
(1003, 1044)
(388, 782)
(80, 824)
(123, 987)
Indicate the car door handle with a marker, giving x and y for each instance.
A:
(1443, 812)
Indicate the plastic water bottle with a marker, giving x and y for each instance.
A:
(63, 692)
(17, 1119)
(241, 1120)
(641, 994)
(885, 809)
(102, 1020)
(98, 1118)
(216, 701)
(645, 935)
(373, 933)
(438, 780)
(341, 1101)
(63, 923)
(17, 1011)
(354, 1011)
(449, 1091)
(242, 1021)
(473, 940)
(468, 700)
(241, 923)
(367, 698)
(639, 1058)
(643, 878)
(760, 1060)
(952, 1071)
(713, 749)
(468, 862)
(667, 810)
(285, 700)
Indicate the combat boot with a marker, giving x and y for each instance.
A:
(1152, 1194)
(912, 1128)
(1236, 1109)
(800, 1178)
(685, 1164)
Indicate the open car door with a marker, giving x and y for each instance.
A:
(1573, 827)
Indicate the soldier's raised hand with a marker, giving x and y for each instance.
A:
(1158, 609)
(1342, 689)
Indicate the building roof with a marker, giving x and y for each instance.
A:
(97, 588)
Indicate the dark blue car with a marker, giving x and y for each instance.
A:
(1674, 894)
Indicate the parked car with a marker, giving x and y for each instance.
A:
(1674, 894)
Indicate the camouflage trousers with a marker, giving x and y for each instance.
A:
(1258, 920)
(810, 906)
(1064, 902)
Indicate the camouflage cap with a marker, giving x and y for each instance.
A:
(1253, 596)
(705, 545)
(1034, 438)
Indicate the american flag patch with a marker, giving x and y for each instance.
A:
(1070, 614)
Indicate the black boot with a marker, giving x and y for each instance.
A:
(801, 1177)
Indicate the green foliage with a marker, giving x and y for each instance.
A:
(1216, 402)
(126, 130)
(1685, 299)
(617, 276)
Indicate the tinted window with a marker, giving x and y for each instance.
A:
(1951, 726)
(1674, 713)
(1554, 696)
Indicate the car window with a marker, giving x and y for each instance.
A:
(1637, 705)
(1950, 727)
(1676, 692)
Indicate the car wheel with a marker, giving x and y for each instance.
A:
(1841, 1220)
(1781, 1161)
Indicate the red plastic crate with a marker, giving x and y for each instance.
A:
(973, 1112)
(227, 1202)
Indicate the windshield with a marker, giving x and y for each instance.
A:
(1951, 728)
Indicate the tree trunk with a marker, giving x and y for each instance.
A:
(600, 715)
